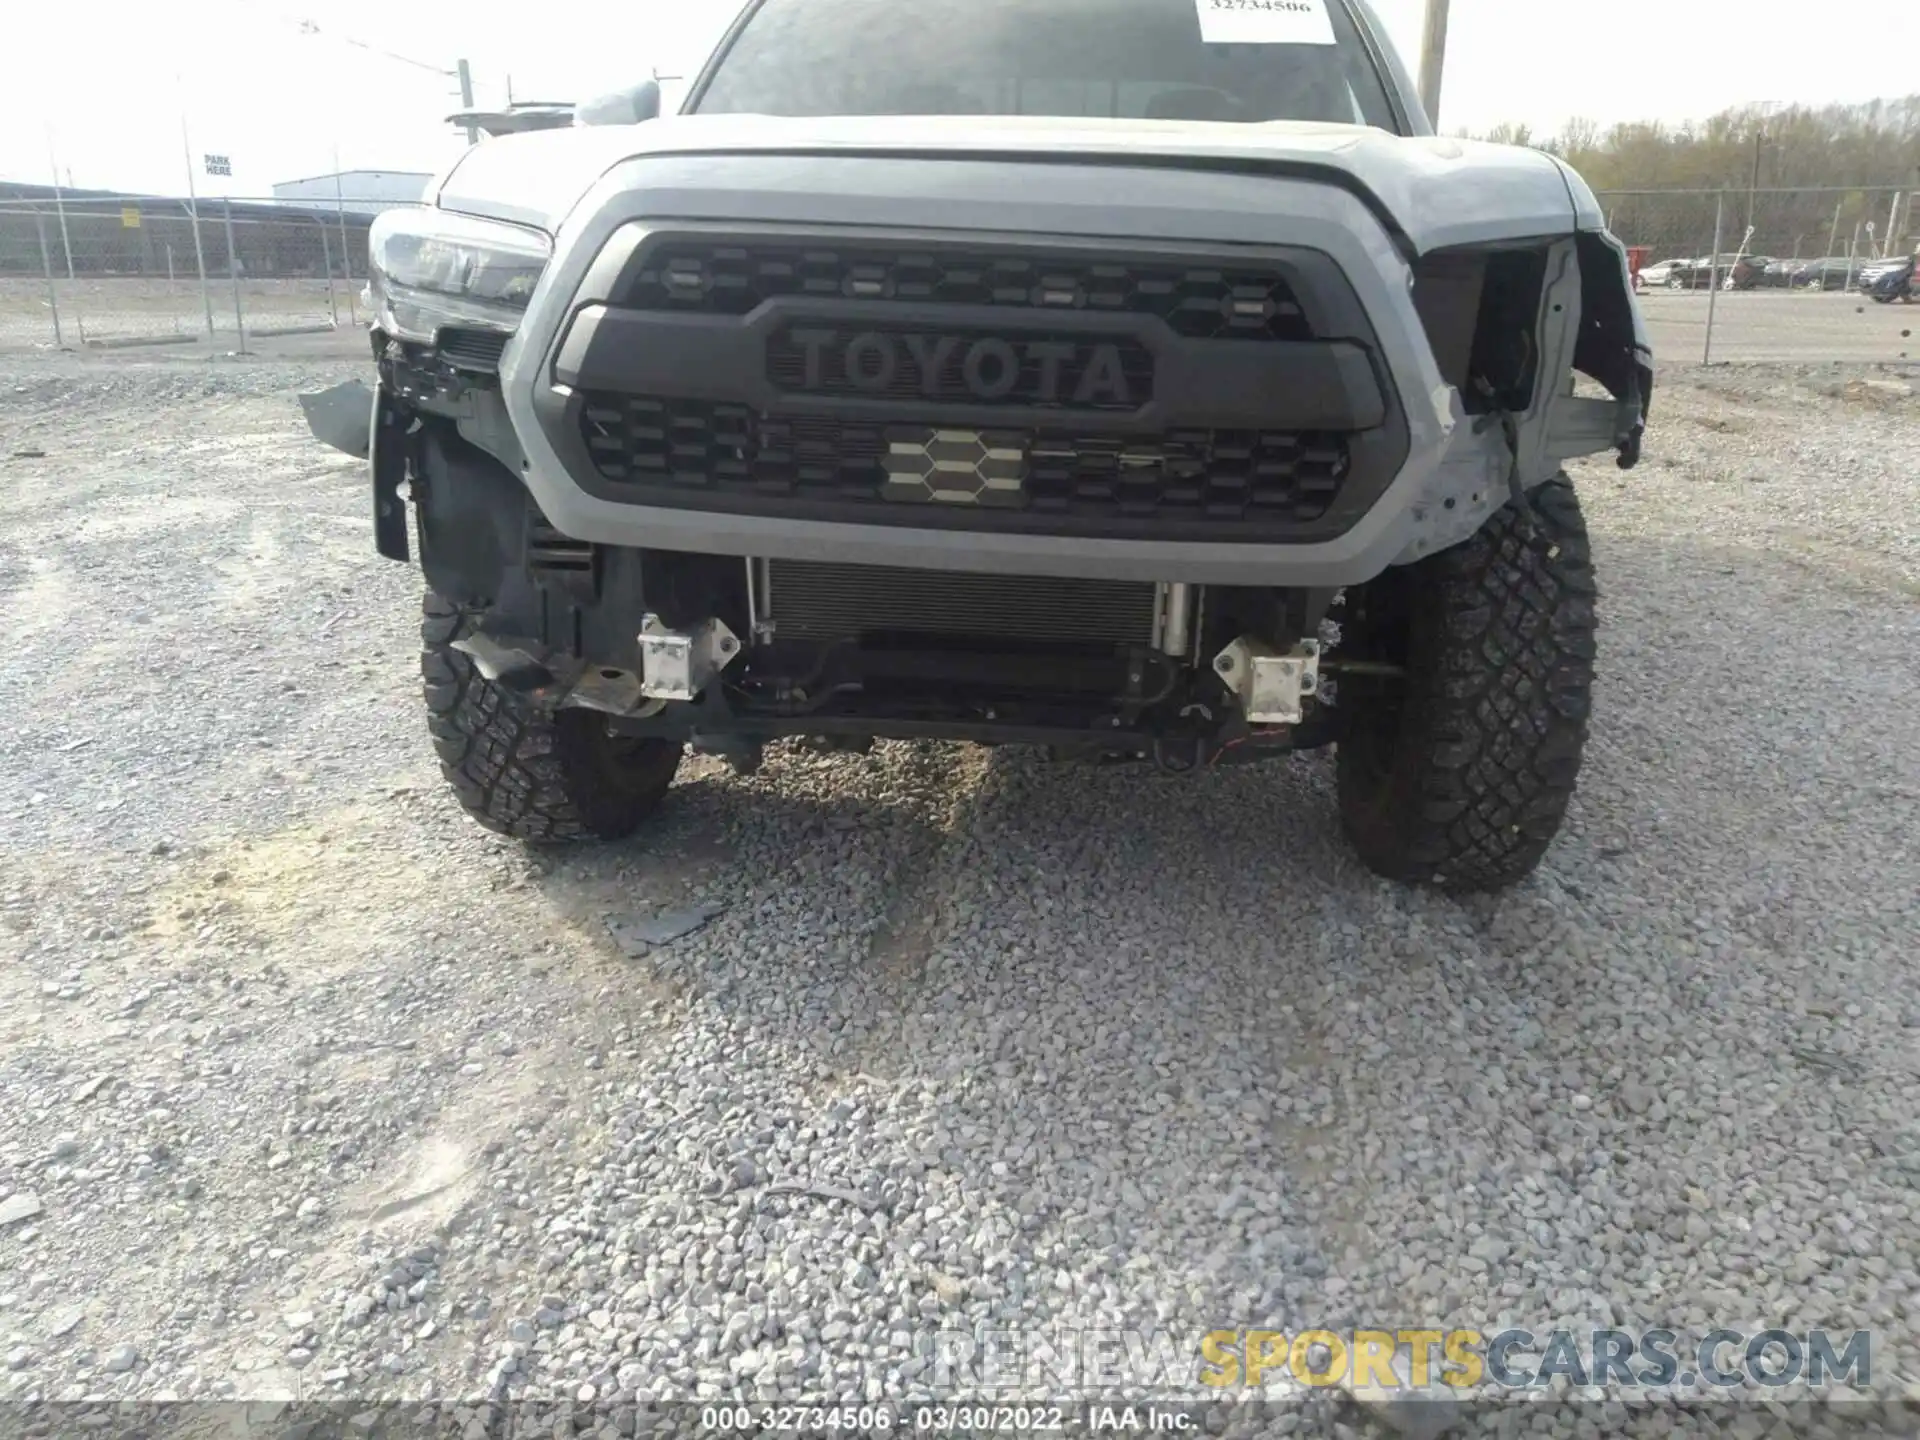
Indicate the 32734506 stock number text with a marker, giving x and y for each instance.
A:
(857, 1420)
(799, 1419)
(1265, 7)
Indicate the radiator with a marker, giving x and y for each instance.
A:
(812, 601)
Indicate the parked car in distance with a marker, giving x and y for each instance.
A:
(1692, 274)
(1873, 270)
(1831, 272)
(1894, 282)
(1695, 274)
(1685, 273)
(1660, 275)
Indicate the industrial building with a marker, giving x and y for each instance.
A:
(113, 233)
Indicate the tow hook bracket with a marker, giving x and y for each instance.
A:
(1271, 687)
(510, 666)
(678, 664)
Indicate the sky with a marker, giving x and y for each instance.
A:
(106, 85)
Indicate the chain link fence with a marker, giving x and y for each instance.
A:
(138, 270)
(1770, 275)
(1727, 274)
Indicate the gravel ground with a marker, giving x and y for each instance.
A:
(314, 1089)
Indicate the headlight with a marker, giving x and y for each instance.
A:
(429, 268)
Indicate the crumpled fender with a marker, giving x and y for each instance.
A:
(340, 416)
(1614, 346)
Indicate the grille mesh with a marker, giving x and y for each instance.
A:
(1199, 301)
(831, 602)
(1219, 475)
(466, 349)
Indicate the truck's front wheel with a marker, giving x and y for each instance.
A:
(1458, 771)
(534, 775)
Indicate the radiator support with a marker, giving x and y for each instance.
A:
(815, 601)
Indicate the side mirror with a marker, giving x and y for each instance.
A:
(623, 107)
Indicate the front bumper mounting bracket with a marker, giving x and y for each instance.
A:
(1271, 687)
(679, 664)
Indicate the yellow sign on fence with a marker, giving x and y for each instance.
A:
(129, 218)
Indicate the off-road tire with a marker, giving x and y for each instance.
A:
(1459, 773)
(539, 777)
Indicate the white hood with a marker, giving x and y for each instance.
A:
(1440, 191)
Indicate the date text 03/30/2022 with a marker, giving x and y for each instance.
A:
(957, 1419)
(1085, 1419)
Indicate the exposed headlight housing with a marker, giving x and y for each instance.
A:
(429, 268)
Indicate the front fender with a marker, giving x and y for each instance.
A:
(1613, 346)
(1592, 222)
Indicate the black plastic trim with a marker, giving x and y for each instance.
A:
(386, 468)
(1198, 384)
(1327, 302)
(717, 57)
(662, 354)
(1394, 79)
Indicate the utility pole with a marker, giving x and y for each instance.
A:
(59, 204)
(466, 98)
(1433, 58)
(1713, 274)
(346, 255)
(1759, 140)
(193, 210)
(53, 290)
(233, 275)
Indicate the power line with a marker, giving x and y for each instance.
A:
(460, 73)
(309, 27)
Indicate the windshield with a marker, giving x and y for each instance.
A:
(1233, 60)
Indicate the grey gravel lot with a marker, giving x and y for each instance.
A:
(312, 1088)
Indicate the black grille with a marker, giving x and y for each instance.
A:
(810, 601)
(969, 367)
(1218, 475)
(466, 349)
(1199, 301)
